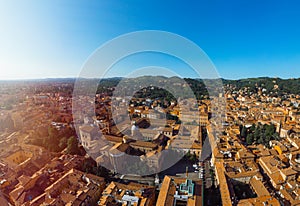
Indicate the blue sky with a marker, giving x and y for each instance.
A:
(249, 38)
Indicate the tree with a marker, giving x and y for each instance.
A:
(249, 139)
(102, 172)
(244, 132)
(252, 128)
(52, 141)
(276, 136)
(270, 130)
(63, 143)
(89, 166)
(241, 127)
(52, 132)
(257, 134)
(260, 140)
(72, 146)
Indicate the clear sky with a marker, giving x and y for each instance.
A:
(244, 38)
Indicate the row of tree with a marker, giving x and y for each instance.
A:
(259, 134)
(57, 140)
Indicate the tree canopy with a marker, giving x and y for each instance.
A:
(259, 134)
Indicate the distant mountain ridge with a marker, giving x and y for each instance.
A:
(266, 85)
(269, 85)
